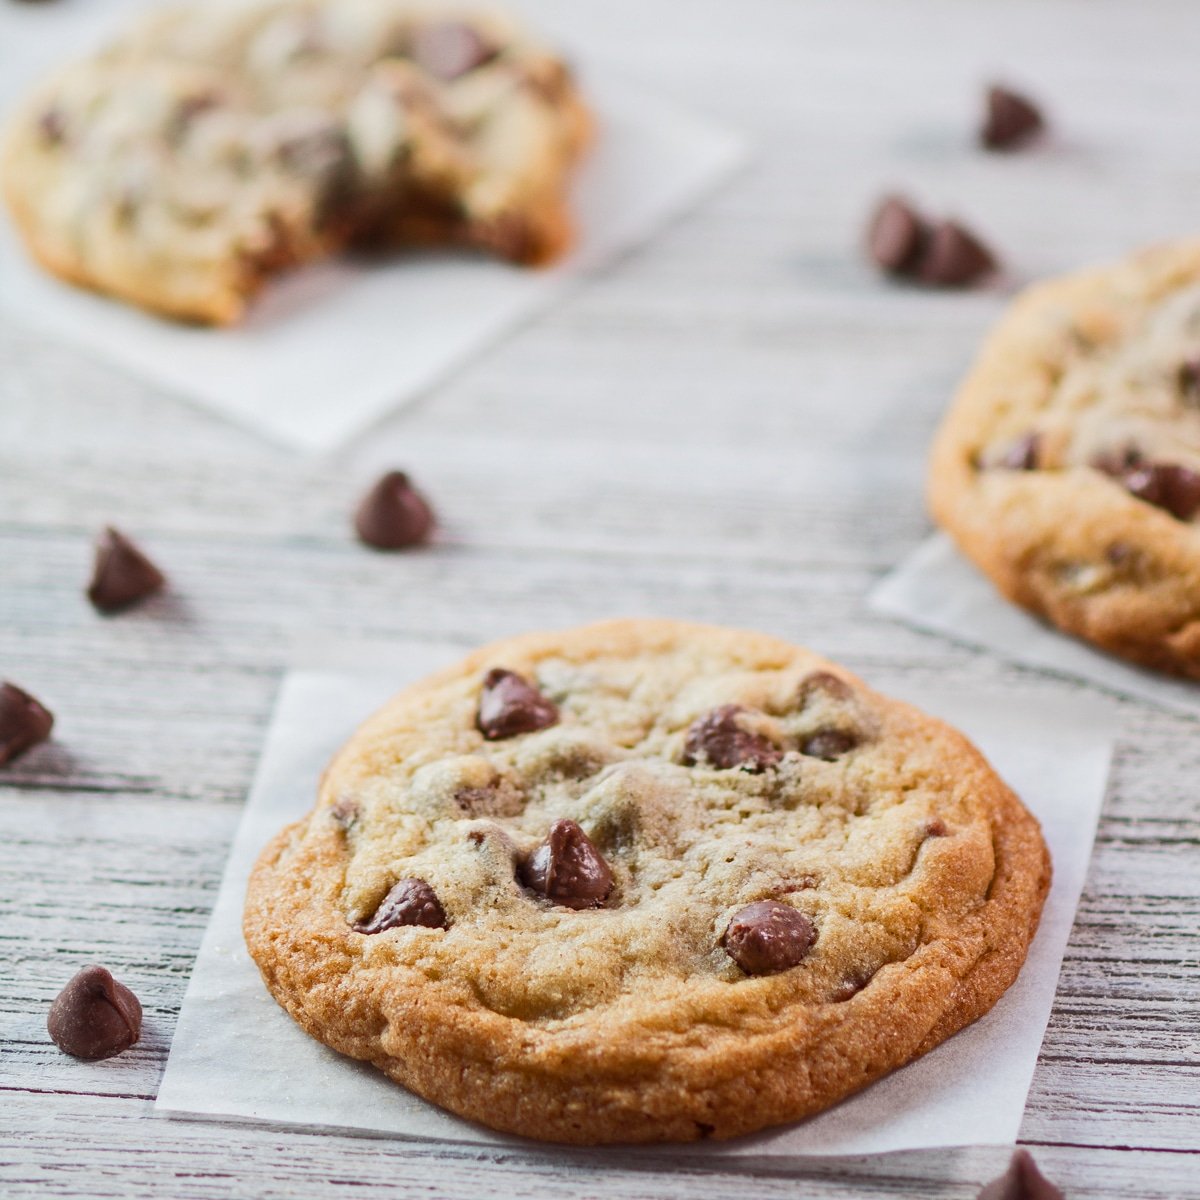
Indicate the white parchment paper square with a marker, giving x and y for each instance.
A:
(331, 348)
(937, 589)
(235, 1053)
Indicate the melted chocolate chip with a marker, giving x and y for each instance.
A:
(94, 1016)
(895, 235)
(1011, 120)
(717, 740)
(510, 705)
(829, 744)
(121, 575)
(766, 937)
(1022, 455)
(1022, 1181)
(567, 868)
(1168, 486)
(954, 257)
(24, 722)
(393, 514)
(410, 902)
(449, 49)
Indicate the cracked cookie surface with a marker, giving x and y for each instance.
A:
(1068, 468)
(677, 882)
(216, 144)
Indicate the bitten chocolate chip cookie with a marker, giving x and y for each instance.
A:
(646, 881)
(1068, 468)
(218, 143)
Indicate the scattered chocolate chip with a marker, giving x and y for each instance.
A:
(954, 257)
(766, 937)
(1120, 554)
(1022, 455)
(393, 514)
(344, 811)
(448, 49)
(510, 705)
(833, 686)
(1188, 380)
(567, 868)
(1117, 462)
(1011, 119)
(895, 235)
(851, 985)
(1167, 486)
(718, 740)
(52, 125)
(410, 902)
(24, 722)
(122, 575)
(1022, 1181)
(94, 1016)
(828, 744)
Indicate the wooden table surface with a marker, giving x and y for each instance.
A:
(728, 425)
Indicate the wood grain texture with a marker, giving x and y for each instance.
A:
(729, 425)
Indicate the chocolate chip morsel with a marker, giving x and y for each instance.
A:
(1011, 119)
(410, 902)
(122, 575)
(1022, 455)
(718, 740)
(94, 1016)
(567, 868)
(24, 722)
(449, 49)
(895, 235)
(1167, 485)
(767, 936)
(1188, 381)
(829, 744)
(1022, 1181)
(393, 514)
(824, 683)
(510, 705)
(954, 257)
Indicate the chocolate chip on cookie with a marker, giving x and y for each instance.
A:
(94, 1016)
(1022, 1181)
(344, 812)
(1168, 486)
(718, 740)
(851, 985)
(567, 868)
(895, 235)
(410, 902)
(829, 744)
(824, 683)
(510, 705)
(449, 49)
(1011, 120)
(767, 937)
(1022, 455)
(122, 575)
(1188, 380)
(954, 257)
(393, 514)
(24, 722)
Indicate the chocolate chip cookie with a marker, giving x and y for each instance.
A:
(215, 145)
(646, 881)
(1068, 468)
